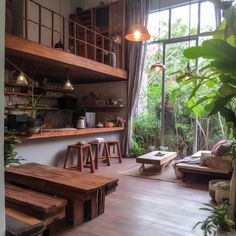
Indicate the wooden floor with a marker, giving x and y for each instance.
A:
(143, 207)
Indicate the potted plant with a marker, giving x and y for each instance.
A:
(218, 222)
(212, 187)
(222, 191)
(109, 121)
(34, 122)
(10, 154)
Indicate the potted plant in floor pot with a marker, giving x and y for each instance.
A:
(10, 154)
(222, 191)
(212, 187)
(218, 222)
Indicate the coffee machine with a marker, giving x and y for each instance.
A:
(19, 123)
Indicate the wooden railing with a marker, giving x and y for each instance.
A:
(75, 37)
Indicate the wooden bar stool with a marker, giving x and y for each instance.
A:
(81, 162)
(114, 144)
(98, 143)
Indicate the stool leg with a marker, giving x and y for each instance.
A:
(91, 159)
(66, 156)
(106, 152)
(96, 155)
(80, 159)
(119, 152)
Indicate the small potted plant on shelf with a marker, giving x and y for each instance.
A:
(218, 222)
(109, 121)
(10, 154)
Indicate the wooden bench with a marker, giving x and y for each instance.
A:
(45, 207)
(19, 224)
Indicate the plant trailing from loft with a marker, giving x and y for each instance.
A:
(10, 154)
(218, 221)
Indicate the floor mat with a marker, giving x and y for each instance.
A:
(152, 172)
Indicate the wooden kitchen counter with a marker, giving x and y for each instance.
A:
(71, 133)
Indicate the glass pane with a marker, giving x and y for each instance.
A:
(154, 54)
(207, 23)
(175, 59)
(158, 25)
(180, 20)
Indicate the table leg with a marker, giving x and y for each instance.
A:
(142, 167)
(96, 205)
(75, 212)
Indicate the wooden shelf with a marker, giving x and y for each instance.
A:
(29, 108)
(29, 95)
(40, 87)
(72, 133)
(103, 106)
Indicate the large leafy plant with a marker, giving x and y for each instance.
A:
(219, 74)
(218, 219)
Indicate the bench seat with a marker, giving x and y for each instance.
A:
(45, 207)
(21, 224)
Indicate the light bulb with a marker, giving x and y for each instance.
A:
(137, 35)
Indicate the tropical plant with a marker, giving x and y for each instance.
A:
(10, 154)
(217, 221)
(220, 74)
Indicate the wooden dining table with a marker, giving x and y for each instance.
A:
(85, 192)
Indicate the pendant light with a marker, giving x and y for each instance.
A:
(187, 74)
(59, 44)
(68, 84)
(158, 66)
(22, 78)
(137, 33)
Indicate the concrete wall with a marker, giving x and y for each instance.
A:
(51, 151)
(2, 48)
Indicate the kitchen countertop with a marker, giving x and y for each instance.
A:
(70, 132)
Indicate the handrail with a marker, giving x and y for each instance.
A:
(80, 45)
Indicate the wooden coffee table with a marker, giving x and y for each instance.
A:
(159, 158)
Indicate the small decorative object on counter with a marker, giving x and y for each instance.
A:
(120, 121)
(109, 121)
(99, 125)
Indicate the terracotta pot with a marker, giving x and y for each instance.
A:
(222, 194)
(212, 187)
(108, 124)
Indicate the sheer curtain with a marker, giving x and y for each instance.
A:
(136, 13)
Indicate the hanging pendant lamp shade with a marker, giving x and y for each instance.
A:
(68, 84)
(137, 33)
(187, 74)
(158, 67)
(21, 79)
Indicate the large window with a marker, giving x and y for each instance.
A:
(172, 31)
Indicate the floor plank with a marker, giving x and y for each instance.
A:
(144, 207)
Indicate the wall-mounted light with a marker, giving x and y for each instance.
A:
(137, 33)
(68, 84)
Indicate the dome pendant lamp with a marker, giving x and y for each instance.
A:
(137, 33)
